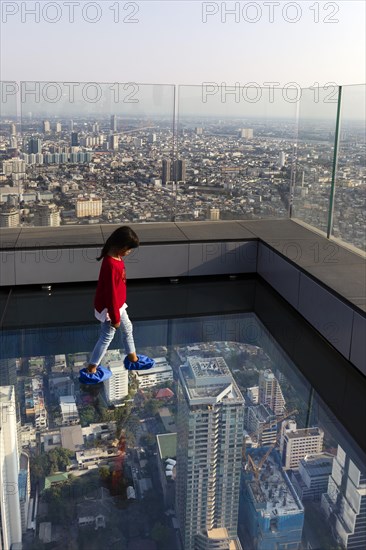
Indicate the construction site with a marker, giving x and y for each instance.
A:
(271, 513)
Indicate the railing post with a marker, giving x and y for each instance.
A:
(294, 161)
(335, 163)
(175, 147)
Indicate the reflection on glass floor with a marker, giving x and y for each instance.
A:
(224, 444)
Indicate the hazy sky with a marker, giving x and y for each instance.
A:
(182, 42)
(170, 43)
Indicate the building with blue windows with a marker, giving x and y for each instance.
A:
(271, 515)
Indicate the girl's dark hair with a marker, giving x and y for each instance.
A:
(123, 237)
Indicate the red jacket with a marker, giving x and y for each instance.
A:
(111, 289)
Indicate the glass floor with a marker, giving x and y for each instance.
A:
(242, 436)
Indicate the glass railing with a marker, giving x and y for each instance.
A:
(224, 439)
(350, 180)
(13, 168)
(316, 125)
(88, 153)
(237, 144)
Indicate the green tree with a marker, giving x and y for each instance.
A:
(148, 439)
(87, 415)
(152, 406)
(104, 473)
(159, 532)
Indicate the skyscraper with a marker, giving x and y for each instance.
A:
(166, 169)
(58, 127)
(34, 146)
(88, 206)
(270, 392)
(281, 159)
(113, 123)
(113, 142)
(10, 514)
(46, 126)
(246, 133)
(116, 387)
(74, 139)
(210, 435)
(47, 215)
(179, 170)
(344, 503)
(13, 129)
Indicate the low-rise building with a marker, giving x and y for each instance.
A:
(69, 411)
(28, 435)
(89, 458)
(60, 384)
(160, 373)
(166, 459)
(167, 419)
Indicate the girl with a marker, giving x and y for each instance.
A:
(110, 306)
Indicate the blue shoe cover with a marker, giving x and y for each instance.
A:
(144, 363)
(101, 375)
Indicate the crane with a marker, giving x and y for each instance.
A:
(265, 426)
(256, 468)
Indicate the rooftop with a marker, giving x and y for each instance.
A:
(274, 490)
(6, 394)
(304, 432)
(167, 444)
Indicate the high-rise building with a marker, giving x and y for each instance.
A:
(13, 129)
(270, 392)
(246, 133)
(34, 145)
(9, 217)
(166, 170)
(13, 142)
(312, 477)
(214, 214)
(152, 138)
(24, 486)
(210, 435)
(58, 127)
(113, 142)
(296, 444)
(116, 387)
(199, 131)
(46, 126)
(344, 503)
(281, 159)
(75, 139)
(47, 215)
(95, 127)
(179, 170)
(10, 513)
(8, 371)
(257, 416)
(88, 206)
(271, 514)
(113, 123)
